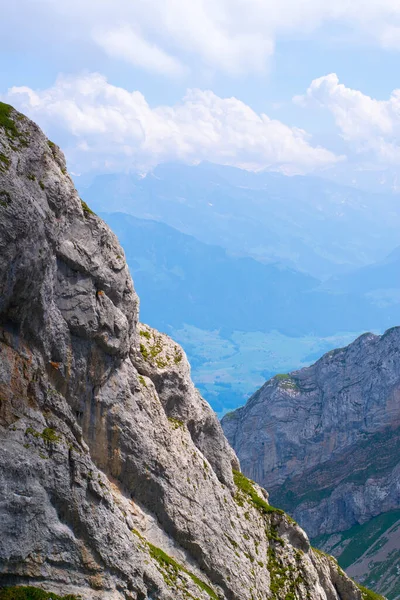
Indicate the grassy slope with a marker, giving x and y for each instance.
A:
(370, 552)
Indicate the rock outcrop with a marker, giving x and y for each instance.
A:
(116, 481)
(325, 441)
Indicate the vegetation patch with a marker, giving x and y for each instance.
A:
(246, 487)
(142, 381)
(31, 593)
(286, 581)
(6, 122)
(272, 534)
(48, 434)
(151, 352)
(86, 210)
(156, 348)
(176, 422)
(5, 198)
(232, 542)
(161, 363)
(139, 535)
(9, 126)
(172, 567)
(323, 554)
(286, 381)
(369, 594)
(177, 356)
(144, 352)
(52, 146)
(282, 376)
(4, 163)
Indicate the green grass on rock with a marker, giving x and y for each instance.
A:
(246, 486)
(170, 564)
(86, 210)
(369, 594)
(31, 593)
(6, 122)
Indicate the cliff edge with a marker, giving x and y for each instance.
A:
(116, 481)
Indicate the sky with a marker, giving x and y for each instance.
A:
(299, 86)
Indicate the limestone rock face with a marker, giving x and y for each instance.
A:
(325, 441)
(116, 480)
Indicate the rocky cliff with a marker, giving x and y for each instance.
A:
(325, 441)
(116, 479)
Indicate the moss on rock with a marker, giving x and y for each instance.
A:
(31, 593)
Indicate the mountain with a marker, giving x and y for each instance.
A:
(326, 442)
(216, 290)
(380, 282)
(183, 280)
(309, 224)
(238, 319)
(116, 479)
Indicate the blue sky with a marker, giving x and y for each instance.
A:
(297, 87)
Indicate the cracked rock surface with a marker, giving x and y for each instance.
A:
(116, 480)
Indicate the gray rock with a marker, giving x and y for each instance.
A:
(116, 478)
(325, 440)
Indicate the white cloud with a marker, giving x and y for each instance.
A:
(108, 127)
(368, 125)
(124, 43)
(232, 36)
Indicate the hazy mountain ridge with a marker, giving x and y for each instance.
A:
(310, 224)
(210, 285)
(379, 281)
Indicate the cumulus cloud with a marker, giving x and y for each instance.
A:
(109, 127)
(368, 125)
(232, 36)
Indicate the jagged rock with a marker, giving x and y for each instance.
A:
(116, 478)
(325, 441)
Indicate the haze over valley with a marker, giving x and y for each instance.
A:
(254, 274)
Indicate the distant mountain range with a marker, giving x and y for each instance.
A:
(253, 273)
(307, 223)
(380, 281)
(185, 283)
